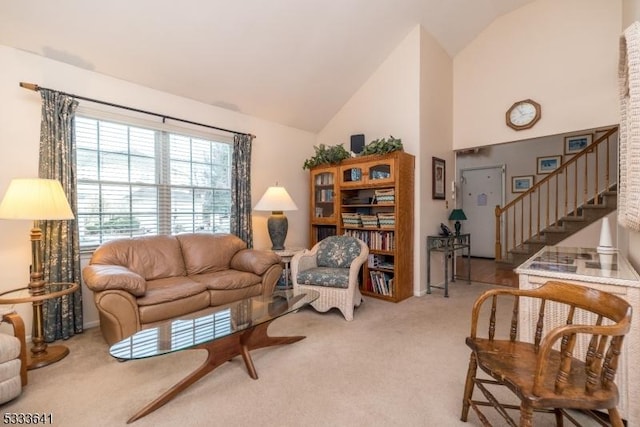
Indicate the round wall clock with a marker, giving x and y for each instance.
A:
(523, 114)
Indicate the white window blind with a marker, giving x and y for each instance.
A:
(135, 181)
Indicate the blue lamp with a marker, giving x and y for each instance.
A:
(457, 215)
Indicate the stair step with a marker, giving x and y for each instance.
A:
(572, 218)
(596, 206)
(536, 240)
(554, 229)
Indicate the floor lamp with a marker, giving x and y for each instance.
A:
(36, 199)
(277, 200)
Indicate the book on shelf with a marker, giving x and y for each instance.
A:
(324, 179)
(381, 283)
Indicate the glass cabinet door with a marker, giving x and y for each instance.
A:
(380, 172)
(323, 201)
(352, 175)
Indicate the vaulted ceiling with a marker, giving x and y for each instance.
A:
(295, 62)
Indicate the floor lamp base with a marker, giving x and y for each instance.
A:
(52, 354)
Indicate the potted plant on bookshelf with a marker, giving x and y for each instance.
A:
(326, 155)
(382, 146)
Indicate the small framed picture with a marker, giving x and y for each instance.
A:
(438, 178)
(576, 143)
(548, 164)
(520, 184)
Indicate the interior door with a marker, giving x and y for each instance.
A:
(482, 189)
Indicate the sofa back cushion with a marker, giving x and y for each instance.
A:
(208, 253)
(337, 251)
(152, 257)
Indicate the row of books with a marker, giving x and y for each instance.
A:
(324, 179)
(381, 283)
(376, 240)
(324, 195)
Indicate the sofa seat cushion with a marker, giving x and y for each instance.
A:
(325, 276)
(170, 289)
(227, 279)
(173, 309)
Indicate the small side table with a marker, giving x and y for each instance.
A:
(41, 353)
(448, 245)
(286, 255)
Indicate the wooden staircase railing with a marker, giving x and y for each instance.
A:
(578, 182)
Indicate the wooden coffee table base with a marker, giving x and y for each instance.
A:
(220, 351)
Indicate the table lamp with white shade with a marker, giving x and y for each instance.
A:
(277, 200)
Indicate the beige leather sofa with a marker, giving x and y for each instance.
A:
(140, 281)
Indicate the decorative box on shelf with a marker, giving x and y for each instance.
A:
(386, 196)
(351, 219)
(369, 221)
(387, 220)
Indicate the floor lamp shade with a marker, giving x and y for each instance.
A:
(35, 199)
(277, 200)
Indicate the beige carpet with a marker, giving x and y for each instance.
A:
(395, 365)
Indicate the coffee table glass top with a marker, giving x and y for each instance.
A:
(218, 322)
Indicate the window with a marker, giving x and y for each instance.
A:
(135, 181)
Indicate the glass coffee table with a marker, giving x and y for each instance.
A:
(225, 332)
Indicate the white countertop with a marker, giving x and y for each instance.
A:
(583, 264)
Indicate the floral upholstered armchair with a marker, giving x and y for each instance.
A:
(332, 268)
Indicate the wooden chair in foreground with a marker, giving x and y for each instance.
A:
(571, 365)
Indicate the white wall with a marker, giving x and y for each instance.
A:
(560, 53)
(278, 151)
(436, 140)
(630, 12)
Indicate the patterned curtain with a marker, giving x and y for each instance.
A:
(241, 189)
(61, 252)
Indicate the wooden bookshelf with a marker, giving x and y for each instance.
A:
(373, 201)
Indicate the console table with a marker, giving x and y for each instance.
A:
(606, 272)
(448, 245)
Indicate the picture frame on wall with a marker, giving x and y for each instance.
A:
(548, 164)
(439, 174)
(520, 184)
(576, 143)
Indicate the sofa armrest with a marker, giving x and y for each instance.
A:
(254, 261)
(119, 315)
(99, 277)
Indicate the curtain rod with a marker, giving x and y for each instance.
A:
(34, 87)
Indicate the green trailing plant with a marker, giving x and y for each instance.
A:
(382, 146)
(326, 155)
